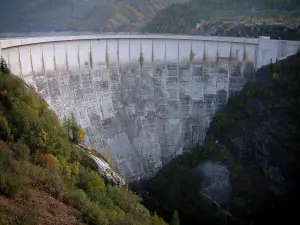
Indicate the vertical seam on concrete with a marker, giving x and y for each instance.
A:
(178, 55)
(108, 78)
(78, 57)
(129, 55)
(20, 66)
(9, 64)
(66, 55)
(31, 63)
(43, 62)
(55, 70)
(152, 56)
(243, 62)
(165, 56)
(44, 71)
(118, 60)
(93, 74)
(91, 57)
(256, 54)
(229, 71)
(54, 59)
(218, 64)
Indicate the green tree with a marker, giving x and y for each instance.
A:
(21, 151)
(80, 134)
(3, 66)
(74, 129)
(156, 220)
(175, 219)
(4, 128)
(89, 179)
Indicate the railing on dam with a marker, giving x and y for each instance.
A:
(143, 96)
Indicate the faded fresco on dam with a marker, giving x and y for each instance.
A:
(141, 101)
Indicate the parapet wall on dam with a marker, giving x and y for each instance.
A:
(142, 99)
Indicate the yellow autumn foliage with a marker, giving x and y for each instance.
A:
(4, 92)
(81, 134)
(44, 136)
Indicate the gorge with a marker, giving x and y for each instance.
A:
(141, 99)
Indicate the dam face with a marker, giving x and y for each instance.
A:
(141, 99)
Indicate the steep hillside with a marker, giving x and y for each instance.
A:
(247, 171)
(288, 30)
(44, 177)
(77, 15)
(182, 18)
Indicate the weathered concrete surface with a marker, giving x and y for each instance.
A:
(141, 98)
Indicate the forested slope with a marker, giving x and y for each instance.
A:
(44, 178)
(77, 15)
(182, 17)
(256, 138)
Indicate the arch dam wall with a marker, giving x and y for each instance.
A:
(141, 99)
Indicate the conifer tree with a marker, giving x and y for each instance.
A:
(175, 219)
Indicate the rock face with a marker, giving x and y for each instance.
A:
(216, 182)
(141, 100)
(286, 31)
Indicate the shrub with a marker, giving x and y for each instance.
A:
(76, 198)
(84, 159)
(75, 168)
(90, 210)
(12, 184)
(93, 214)
(54, 184)
(6, 219)
(157, 220)
(21, 151)
(36, 174)
(4, 128)
(46, 160)
(275, 76)
(89, 179)
(65, 169)
(3, 66)
(175, 219)
(6, 156)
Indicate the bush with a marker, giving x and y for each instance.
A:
(93, 214)
(83, 158)
(21, 151)
(4, 128)
(6, 219)
(175, 219)
(76, 198)
(54, 184)
(100, 196)
(3, 66)
(6, 156)
(12, 184)
(89, 179)
(90, 210)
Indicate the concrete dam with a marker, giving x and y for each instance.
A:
(141, 99)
